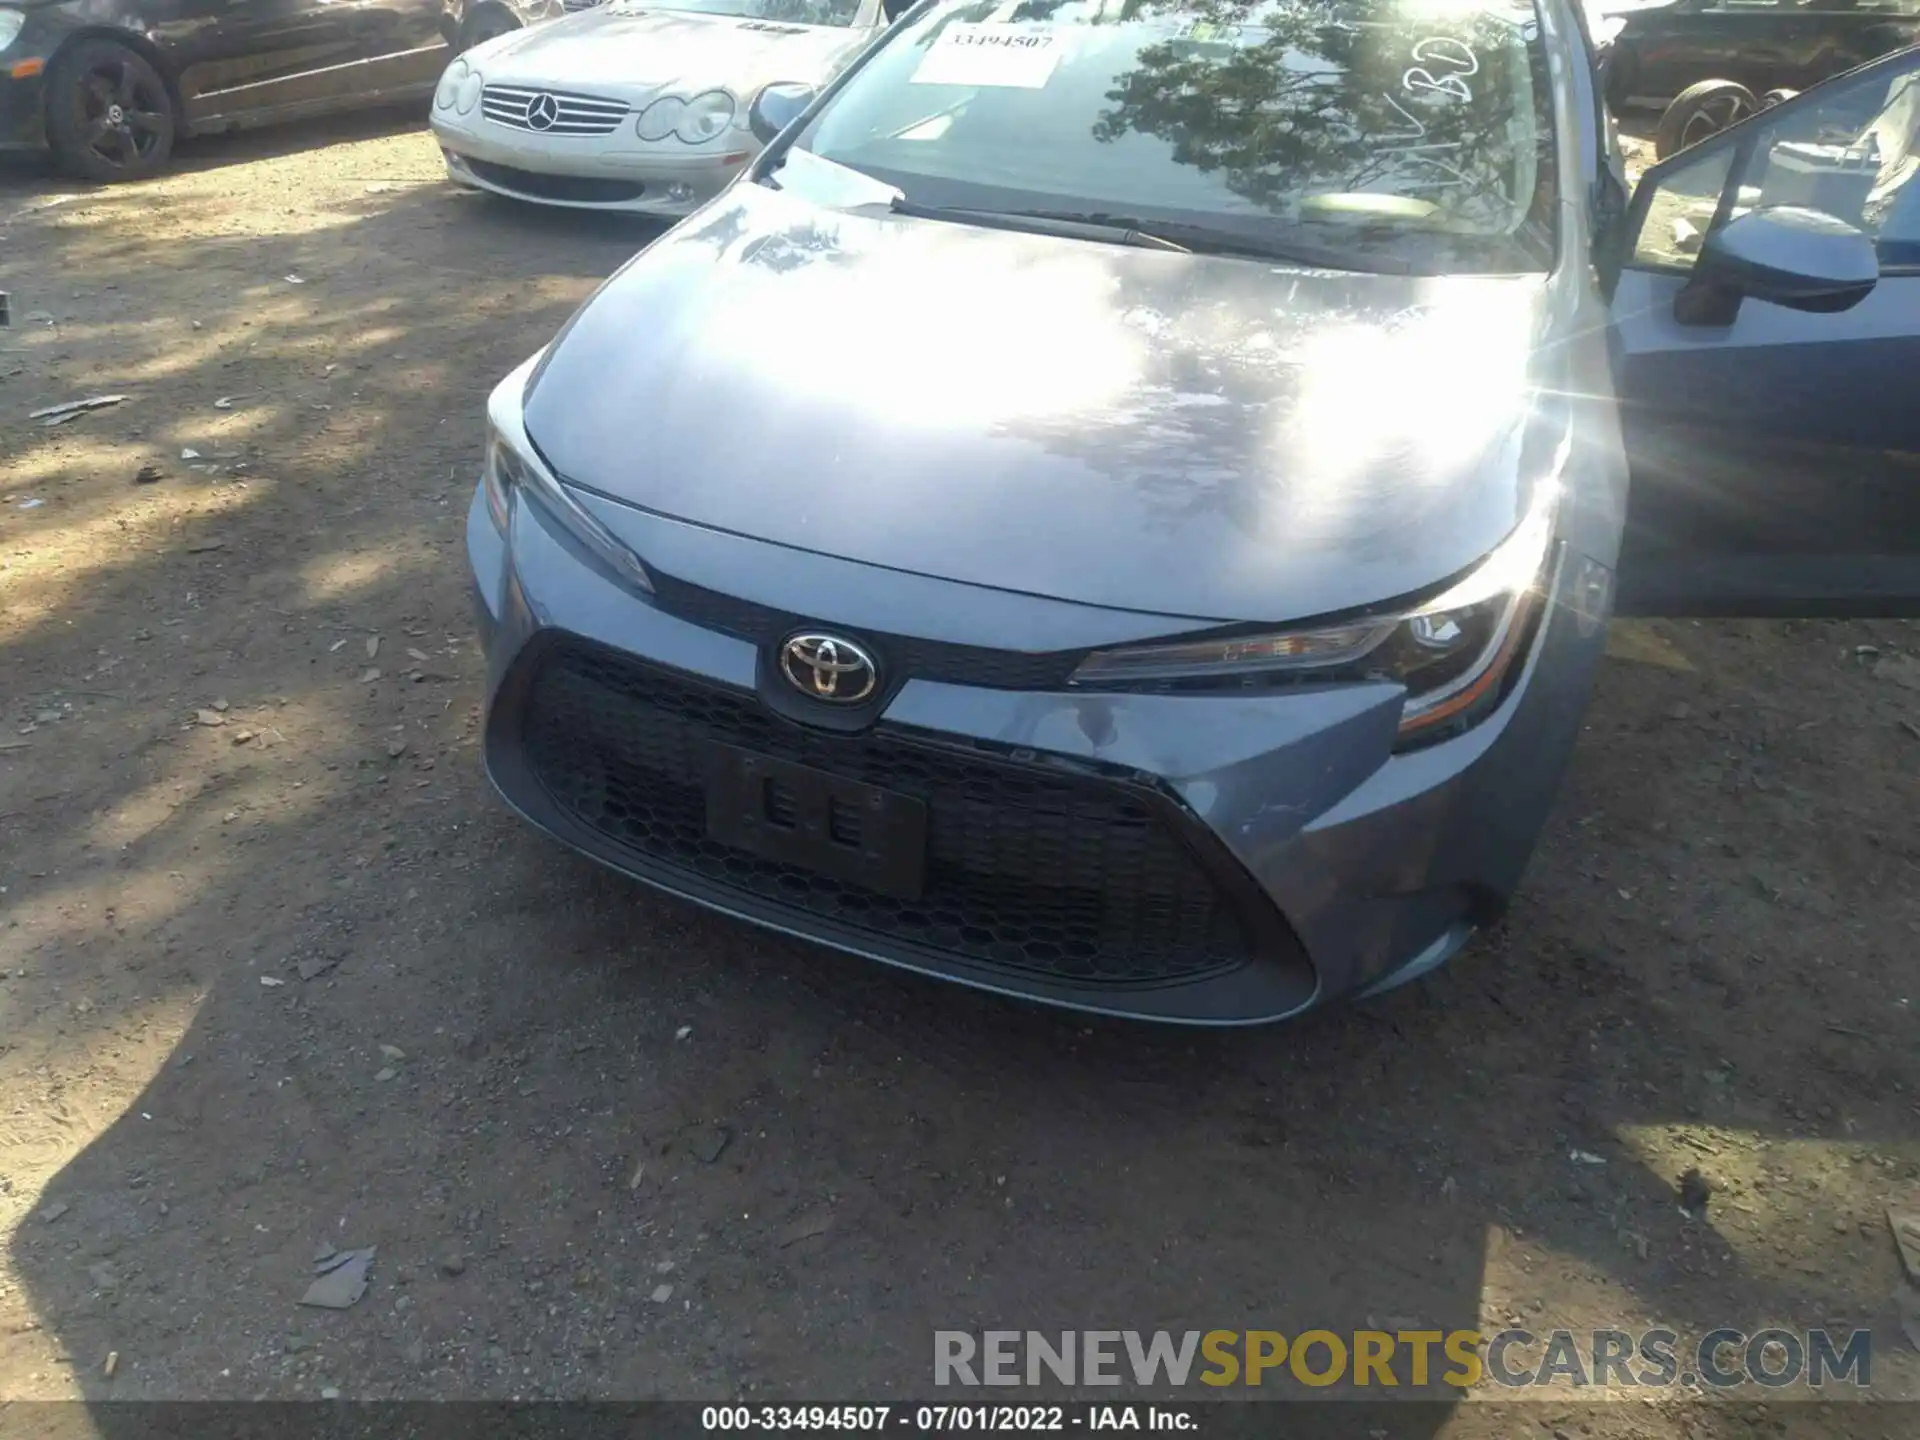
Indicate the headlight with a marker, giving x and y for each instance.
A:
(695, 121)
(656, 122)
(1452, 653)
(449, 87)
(705, 117)
(514, 471)
(468, 95)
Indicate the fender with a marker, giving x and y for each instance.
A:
(126, 31)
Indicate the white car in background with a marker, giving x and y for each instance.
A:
(638, 107)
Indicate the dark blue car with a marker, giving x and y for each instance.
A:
(1122, 502)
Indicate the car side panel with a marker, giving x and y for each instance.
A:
(249, 61)
(1775, 461)
(1763, 48)
(400, 37)
(22, 107)
(215, 46)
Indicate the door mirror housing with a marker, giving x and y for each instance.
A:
(1792, 256)
(777, 106)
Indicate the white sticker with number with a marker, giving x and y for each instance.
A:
(1020, 57)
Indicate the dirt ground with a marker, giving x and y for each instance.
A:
(277, 971)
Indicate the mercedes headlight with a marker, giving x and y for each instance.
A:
(695, 121)
(449, 87)
(1453, 653)
(705, 117)
(656, 122)
(468, 95)
(10, 22)
(514, 472)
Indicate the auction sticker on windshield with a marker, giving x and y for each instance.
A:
(1019, 57)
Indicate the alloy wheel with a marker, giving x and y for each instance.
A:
(123, 111)
(1713, 116)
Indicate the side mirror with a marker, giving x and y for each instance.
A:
(1789, 255)
(777, 106)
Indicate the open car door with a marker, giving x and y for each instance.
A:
(1766, 354)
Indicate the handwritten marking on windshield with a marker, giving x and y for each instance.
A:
(1416, 153)
(1418, 79)
(1446, 50)
(1455, 58)
(1419, 131)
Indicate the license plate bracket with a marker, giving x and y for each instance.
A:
(815, 820)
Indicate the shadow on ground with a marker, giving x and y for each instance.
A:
(25, 169)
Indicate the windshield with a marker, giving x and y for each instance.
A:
(1409, 130)
(783, 12)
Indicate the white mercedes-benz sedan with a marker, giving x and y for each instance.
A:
(635, 106)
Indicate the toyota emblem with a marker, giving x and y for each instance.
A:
(542, 111)
(829, 668)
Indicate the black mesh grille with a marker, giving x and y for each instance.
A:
(902, 655)
(1075, 879)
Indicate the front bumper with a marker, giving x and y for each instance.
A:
(617, 172)
(1207, 859)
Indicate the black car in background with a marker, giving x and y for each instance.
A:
(475, 21)
(109, 85)
(1659, 50)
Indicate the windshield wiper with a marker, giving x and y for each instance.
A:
(1185, 239)
(1209, 240)
(1040, 222)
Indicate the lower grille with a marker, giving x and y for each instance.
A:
(582, 190)
(1071, 878)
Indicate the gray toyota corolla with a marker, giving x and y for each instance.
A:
(1122, 501)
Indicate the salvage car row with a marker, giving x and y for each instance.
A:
(642, 107)
(625, 105)
(109, 86)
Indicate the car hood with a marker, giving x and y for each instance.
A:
(1194, 436)
(638, 51)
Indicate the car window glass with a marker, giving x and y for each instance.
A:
(1682, 210)
(1416, 129)
(1850, 149)
(779, 12)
